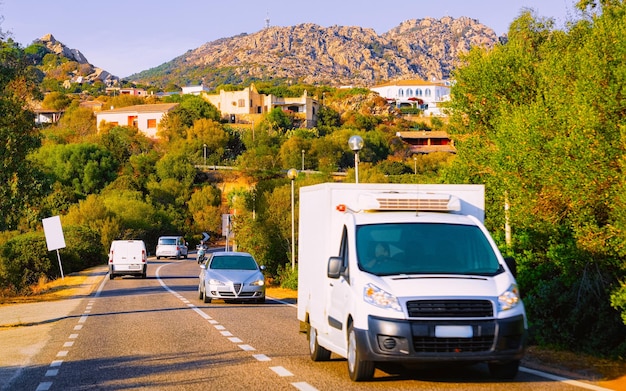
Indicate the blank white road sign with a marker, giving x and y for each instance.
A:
(54, 233)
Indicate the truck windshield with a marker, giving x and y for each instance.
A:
(425, 248)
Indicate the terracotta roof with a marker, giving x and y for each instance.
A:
(419, 134)
(151, 108)
(411, 82)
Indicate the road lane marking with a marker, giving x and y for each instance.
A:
(44, 386)
(304, 386)
(52, 372)
(261, 357)
(68, 344)
(62, 353)
(82, 319)
(56, 363)
(563, 380)
(281, 371)
(78, 327)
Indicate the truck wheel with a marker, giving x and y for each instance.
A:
(504, 370)
(358, 369)
(111, 276)
(317, 352)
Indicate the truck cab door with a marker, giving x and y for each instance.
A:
(339, 291)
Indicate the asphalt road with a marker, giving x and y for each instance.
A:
(155, 334)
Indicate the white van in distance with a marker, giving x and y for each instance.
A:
(405, 274)
(128, 257)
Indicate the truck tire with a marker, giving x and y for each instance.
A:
(317, 352)
(504, 370)
(358, 369)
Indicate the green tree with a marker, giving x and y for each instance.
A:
(540, 122)
(18, 137)
(56, 101)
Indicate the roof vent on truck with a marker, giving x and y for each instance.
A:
(394, 201)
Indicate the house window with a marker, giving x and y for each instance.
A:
(152, 123)
(241, 103)
(409, 92)
(427, 92)
(418, 92)
(400, 92)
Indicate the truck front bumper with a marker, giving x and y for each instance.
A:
(417, 341)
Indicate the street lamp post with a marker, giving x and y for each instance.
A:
(356, 144)
(204, 149)
(415, 165)
(292, 174)
(303, 160)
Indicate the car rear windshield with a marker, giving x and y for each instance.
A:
(425, 248)
(233, 262)
(167, 241)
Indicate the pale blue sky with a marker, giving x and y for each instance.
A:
(126, 37)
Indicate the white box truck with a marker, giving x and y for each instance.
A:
(406, 274)
(128, 257)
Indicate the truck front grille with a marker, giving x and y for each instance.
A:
(450, 308)
(452, 345)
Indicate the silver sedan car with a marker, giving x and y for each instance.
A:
(231, 276)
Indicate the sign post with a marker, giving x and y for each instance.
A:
(54, 237)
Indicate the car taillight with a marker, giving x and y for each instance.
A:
(143, 255)
(111, 257)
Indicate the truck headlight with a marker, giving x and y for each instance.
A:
(509, 298)
(378, 297)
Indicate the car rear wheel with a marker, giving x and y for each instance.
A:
(317, 352)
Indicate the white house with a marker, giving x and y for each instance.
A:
(425, 95)
(194, 90)
(146, 118)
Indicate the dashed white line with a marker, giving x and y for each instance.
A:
(246, 348)
(219, 327)
(281, 371)
(304, 386)
(261, 357)
(56, 363)
(52, 372)
(78, 327)
(44, 386)
(73, 336)
(226, 333)
(68, 344)
(235, 340)
(62, 353)
(82, 319)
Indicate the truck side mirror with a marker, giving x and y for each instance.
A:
(510, 262)
(335, 267)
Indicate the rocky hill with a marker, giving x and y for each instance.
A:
(78, 70)
(308, 53)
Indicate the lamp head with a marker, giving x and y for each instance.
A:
(292, 173)
(356, 143)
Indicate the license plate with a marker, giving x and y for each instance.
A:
(134, 267)
(454, 332)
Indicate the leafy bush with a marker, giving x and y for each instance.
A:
(24, 259)
(288, 277)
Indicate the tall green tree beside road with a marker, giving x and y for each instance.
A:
(18, 136)
(540, 121)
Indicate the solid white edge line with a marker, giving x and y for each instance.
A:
(561, 379)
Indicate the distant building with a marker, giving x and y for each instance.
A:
(427, 141)
(424, 95)
(127, 91)
(46, 116)
(93, 105)
(194, 90)
(146, 118)
(248, 105)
